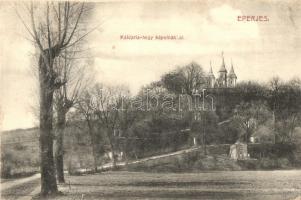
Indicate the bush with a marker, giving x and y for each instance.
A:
(268, 163)
(16, 162)
(249, 164)
(6, 164)
(5, 171)
(283, 163)
(274, 151)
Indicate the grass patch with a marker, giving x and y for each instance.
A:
(210, 185)
(20, 190)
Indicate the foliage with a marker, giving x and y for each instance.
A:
(205, 129)
(284, 100)
(228, 134)
(185, 79)
(16, 161)
(248, 117)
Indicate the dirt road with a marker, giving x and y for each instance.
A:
(21, 189)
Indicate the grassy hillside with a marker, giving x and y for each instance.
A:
(19, 152)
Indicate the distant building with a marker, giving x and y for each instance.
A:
(239, 151)
(118, 155)
(224, 79)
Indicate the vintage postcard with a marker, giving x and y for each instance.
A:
(150, 99)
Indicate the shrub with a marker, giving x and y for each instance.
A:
(283, 163)
(268, 163)
(16, 162)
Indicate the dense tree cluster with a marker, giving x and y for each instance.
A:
(141, 125)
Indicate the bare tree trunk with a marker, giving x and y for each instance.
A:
(93, 145)
(48, 179)
(59, 145)
(110, 136)
(114, 159)
(95, 158)
(125, 153)
(94, 151)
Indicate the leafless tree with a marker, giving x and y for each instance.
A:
(248, 117)
(284, 98)
(185, 79)
(108, 102)
(85, 107)
(76, 78)
(53, 27)
(126, 119)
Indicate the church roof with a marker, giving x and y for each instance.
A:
(232, 73)
(210, 74)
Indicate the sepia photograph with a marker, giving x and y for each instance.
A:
(153, 99)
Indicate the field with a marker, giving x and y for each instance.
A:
(270, 185)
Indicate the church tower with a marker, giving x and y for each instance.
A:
(222, 78)
(232, 77)
(211, 77)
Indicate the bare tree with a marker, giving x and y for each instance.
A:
(85, 107)
(249, 116)
(284, 99)
(185, 79)
(108, 102)
(76, 78)
(53, 27)
(126, 119)
(274, 85)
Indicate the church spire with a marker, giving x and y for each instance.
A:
(232, 73)
(223, 67)
(210, 70)
(211, 77)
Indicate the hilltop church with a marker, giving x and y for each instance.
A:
(224, 79)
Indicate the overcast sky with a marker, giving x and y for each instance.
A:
(259, 50)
